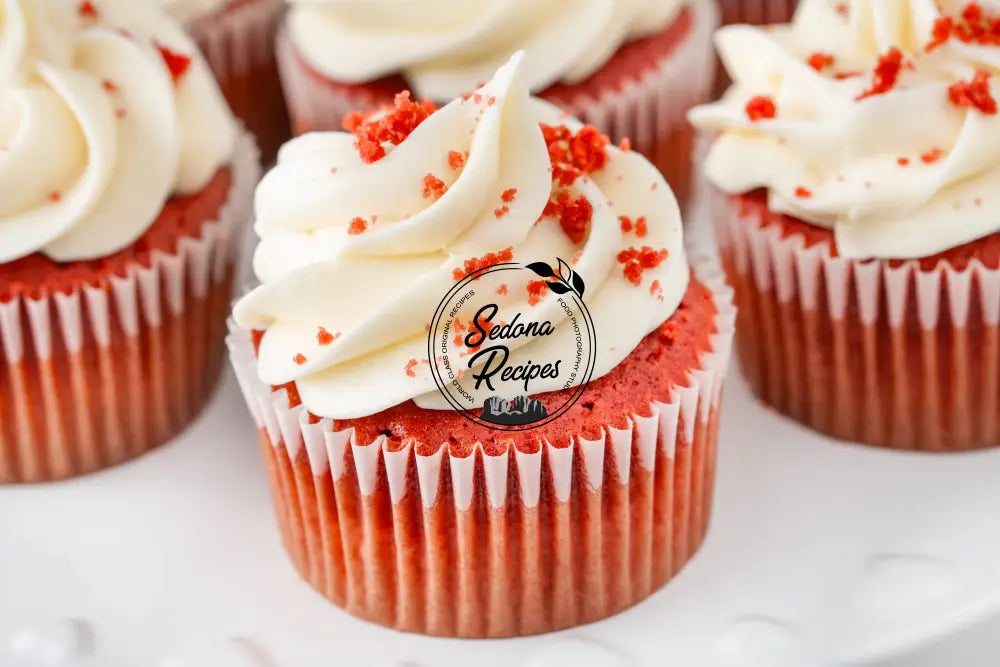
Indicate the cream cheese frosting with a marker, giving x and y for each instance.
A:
(106, 111)
(446, 48)
(375, 292)
(903, 172)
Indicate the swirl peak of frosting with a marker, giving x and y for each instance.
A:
(446, 47)
(106, 110)
(356, 253)
(875, 118)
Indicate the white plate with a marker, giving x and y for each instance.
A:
(819, 553)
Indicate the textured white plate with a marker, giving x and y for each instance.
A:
(819, 553)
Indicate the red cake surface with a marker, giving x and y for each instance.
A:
(986, 249)
(182, 217)
(661, 361)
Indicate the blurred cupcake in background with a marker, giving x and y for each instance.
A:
(762, 12)
(856, 173)
(123, 181)
(237, 39)
(632, 69)
(407, 509)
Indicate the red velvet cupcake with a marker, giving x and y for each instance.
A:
(577, 478)
(237, 38)
(125, 181)
(759, 12)
(632, 71)
(856, 210)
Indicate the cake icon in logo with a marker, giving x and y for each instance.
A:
(514, 412)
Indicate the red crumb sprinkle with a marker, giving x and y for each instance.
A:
(536, 289)
(886, 73)
(324, 337)
(55, 196)
(489, 259)
(120, 113)
(636, 260)
(477, 97)
(456, 160)
(842, 8)
(574, 216)
(109, 86)
(903, 161)
(640, 227)
(932, 156)
(760, 107)
(625, 144)
(87, 10)
(820, 61)
(434, 187)
(975, 93)
(357, 226)
(802, 192)
(299, 359)
(491, 101)
(626, 223)
(654, 289)
(502, 211)
(502, 290)
(177, 63)
(390, 125)
(508, 195)
(840, 76)
(972, 26)
(573, 155)
(410, 365)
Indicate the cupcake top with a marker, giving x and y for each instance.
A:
(186, 10)
(446, 48)
(106, 111)
(876, 118)
(363, 233)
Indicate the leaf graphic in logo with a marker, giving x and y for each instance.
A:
(578, 284)
(542, 269)
(565, 272)
(558, 287)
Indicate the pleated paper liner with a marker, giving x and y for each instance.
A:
(517, 543)
(633, 96)
(101, 372)
(880, 352)
(238, 42)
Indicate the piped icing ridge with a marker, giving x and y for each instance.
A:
(106, 110)
(874, 118)
(363, 233)
(446, 48)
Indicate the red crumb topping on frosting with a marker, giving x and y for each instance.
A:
(299, 358)
(434, 187)
(87, 10)
(574, 215)
(637, 260)
(410, 365)
(456, 160)
(803, 193)
(842, 8)
(109, 86)
(357, 226)
(626, 223)
(500, 212)
(536, 289)
(639, 226)
(324, 337)
(975, 93)
(502, 290)
(177, 63)
(508, 195)
(903, 161)
(573, 155)
(390, 125)
(886, 73)
(820, 61)
(55, 196)
(489, 259)
(932, 156)
(761, 107)
(973, 26)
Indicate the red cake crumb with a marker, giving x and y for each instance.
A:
(508, 195)
(299, 358)
(87, 10)
(477, 263)
(654, 288)
(886, 73)
(820, 61)
(625, 222)
(574, 216)
(502, 290)
(324, 337)
(971, 27)
(842, 8)
(803, 193)
(357, 226)
(932, 156)
(640, 227)
(536, 289)
(177, 63)
(903, 161)
(636, 260)
(975, 93)
(500, 212)
(390, 125)
(434, 187)
(573, 155)
(109, 86)
(55, 196)
(455, 160)
(410, 365)
(760, 107)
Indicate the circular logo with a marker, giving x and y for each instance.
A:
(506, 333)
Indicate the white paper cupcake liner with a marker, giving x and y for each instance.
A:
(877, 352)
(105, 372)
(512, 544)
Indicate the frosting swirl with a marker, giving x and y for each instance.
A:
(106, 110)
(862, 121)
(445, 48)
(371, 294)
